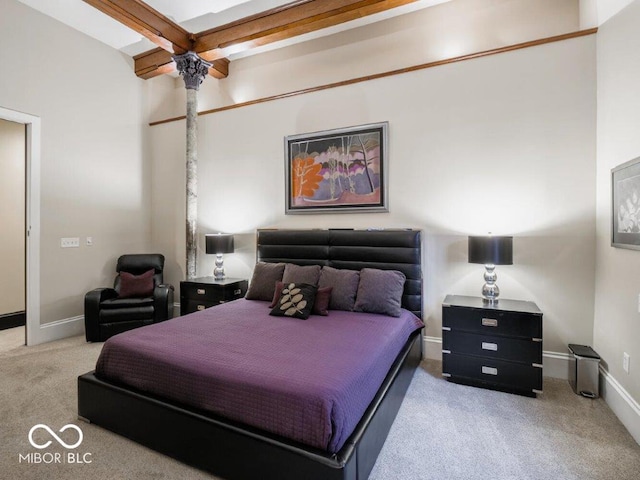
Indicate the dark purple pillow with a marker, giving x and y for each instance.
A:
(320, 306)
(380, 291)
(345, 286)
(301, 274)
(263, 281)
(136, 285)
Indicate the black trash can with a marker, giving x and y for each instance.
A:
(584, 365)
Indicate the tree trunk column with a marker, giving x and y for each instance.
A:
(193, 70)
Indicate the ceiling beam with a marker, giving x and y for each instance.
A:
(148, 22)
(281, 23)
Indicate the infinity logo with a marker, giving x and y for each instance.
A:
(53, 434)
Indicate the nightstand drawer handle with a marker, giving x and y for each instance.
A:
(237, 291)
(490, 346)
(201, 291)
(201, 307)
(490, 370)
(489, 322)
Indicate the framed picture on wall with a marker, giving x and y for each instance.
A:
(625, 188)
(337, 171)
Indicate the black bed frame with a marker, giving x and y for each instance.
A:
(235, 451)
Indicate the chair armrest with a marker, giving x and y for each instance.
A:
(92, 311)
(162, 302)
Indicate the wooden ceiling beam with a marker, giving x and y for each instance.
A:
(148, 22)
(287, 21)
(281, 23)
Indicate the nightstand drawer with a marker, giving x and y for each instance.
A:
(205, 292)
(518, 350)
(492, 372)
(211, 292)
(492, 322)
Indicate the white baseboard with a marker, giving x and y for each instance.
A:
(68, 327)
(622, 404)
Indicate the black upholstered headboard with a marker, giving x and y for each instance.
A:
(351, 249)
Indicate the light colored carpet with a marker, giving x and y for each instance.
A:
(443, 431)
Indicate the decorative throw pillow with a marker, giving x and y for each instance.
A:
(320, 306)
(296, 300)
(308, 274)
(380, 291)
(345, 286)
(263, 281)
(136, 285)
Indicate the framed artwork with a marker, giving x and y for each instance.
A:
(625, 188)
(337, 171)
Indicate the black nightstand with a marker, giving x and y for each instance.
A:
(492, 346)
(205, 292)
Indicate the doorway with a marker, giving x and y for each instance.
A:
(13, 237)
(29, 125)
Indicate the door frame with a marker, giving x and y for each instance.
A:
(33, 334)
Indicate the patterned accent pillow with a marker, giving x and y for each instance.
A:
(296, 300)
(345, 286)
(263, 281)
(132, 286)
(301, 274)
(380, 291)
(320, 306)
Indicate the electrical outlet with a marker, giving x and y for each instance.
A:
(70, 242)
(639, 303)
(625, 362)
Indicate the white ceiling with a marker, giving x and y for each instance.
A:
(194, 15)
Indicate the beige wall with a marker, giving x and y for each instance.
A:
(12, 213)
(451, 29)
(617, 317)
(504, 144)
(94, 177)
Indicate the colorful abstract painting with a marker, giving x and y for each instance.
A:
(342, 170)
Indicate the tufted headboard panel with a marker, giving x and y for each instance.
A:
(351, 249)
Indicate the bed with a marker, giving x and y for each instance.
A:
(225, 442)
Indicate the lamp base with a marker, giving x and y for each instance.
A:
(218, 272)
(490, 290)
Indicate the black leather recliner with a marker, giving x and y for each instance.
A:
(105, 314)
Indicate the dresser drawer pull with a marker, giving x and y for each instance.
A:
(201, 291)
(490, 370)
(237, 291)
(201, 307)
(490, 346)
(489, 322)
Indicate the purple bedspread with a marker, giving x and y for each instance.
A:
(307, 380)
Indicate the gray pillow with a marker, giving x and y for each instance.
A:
(263, 281)
(380, 291)
(344, 284)
(298, 274)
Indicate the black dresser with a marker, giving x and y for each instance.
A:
(492, 346)
(205, 292)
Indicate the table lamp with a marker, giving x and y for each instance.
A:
(490, 251)
(219, 243)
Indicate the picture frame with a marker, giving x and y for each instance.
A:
(343, 170)
(625, 203)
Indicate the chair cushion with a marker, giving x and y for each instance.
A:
(114, 303)
(126, 314)
(136, 285)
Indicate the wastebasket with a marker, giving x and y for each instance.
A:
(584, 363)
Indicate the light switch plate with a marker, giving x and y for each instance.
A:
(70, 242)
